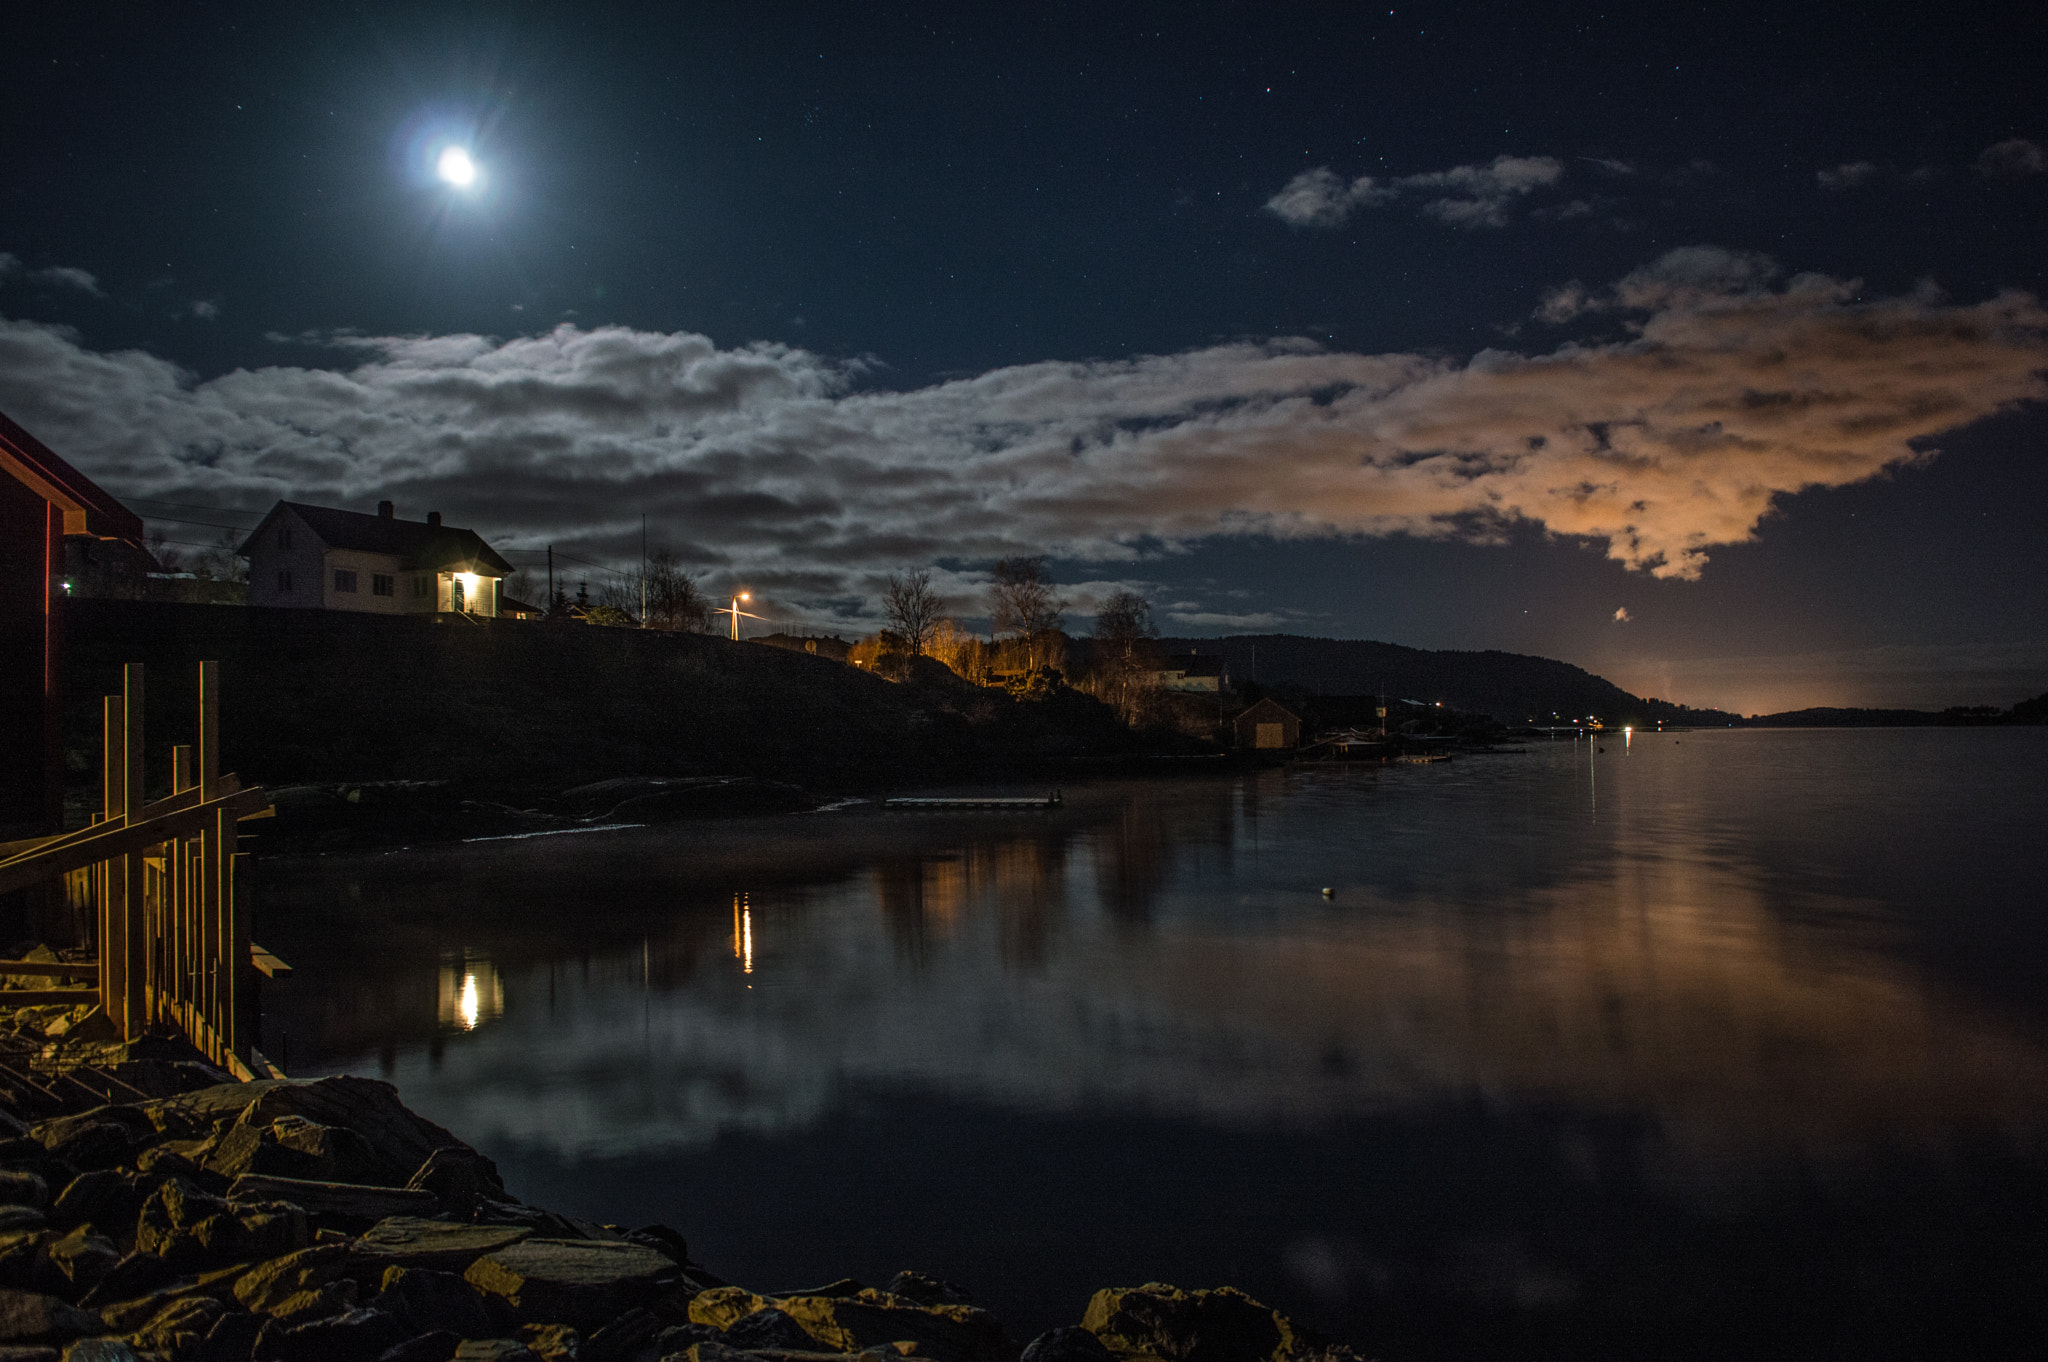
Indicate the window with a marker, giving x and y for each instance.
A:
(422, 584)
(345, 579)
(380, 584)
(284, 580)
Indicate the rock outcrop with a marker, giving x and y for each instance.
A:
(321, 1221)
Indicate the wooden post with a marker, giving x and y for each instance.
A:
(209, 728)
(134, 930)
(113, 890)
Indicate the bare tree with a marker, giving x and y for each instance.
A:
(913, 608)
(221, 562)
(169, 557)
(621, 592)
(674, 600)
(1022, 605)
(1123, 649)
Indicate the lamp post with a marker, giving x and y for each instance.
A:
(735, 611)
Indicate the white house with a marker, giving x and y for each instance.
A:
(1197, 672)
(318, 558)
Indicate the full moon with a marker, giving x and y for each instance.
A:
(456, 168)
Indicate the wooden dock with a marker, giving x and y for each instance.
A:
(172, 936)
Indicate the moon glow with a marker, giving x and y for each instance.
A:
(456, 168)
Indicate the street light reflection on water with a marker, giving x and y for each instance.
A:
(471, 993)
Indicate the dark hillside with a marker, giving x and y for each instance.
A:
(1512, 687)
(326, 696)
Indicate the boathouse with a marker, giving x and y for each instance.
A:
(1269, 724)
(44, 502)
(318, 558)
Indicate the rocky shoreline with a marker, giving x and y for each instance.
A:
(153, 1208)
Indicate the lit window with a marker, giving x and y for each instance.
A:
(345, 580)
(381, 584)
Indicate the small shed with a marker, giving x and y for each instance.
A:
(1269, 725)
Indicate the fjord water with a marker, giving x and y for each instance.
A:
(1726, 1043)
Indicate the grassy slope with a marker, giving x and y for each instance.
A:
(317, 696)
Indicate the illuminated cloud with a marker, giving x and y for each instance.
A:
(1723, 393)
(1463, 196)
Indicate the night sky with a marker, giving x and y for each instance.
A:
(1700, 347)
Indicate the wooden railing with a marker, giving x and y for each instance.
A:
(159, 877)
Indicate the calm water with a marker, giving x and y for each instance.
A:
(1712, 1044)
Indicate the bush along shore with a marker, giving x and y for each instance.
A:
(282, 1220)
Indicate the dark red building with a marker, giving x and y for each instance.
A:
(42, 501)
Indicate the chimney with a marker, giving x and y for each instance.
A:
(434, 519)
(386, 511)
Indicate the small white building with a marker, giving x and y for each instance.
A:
(1198, 673)
(318, 558)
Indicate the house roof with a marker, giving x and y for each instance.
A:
(87, 507)
(415, 543)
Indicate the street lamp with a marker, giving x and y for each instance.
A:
(735, 611)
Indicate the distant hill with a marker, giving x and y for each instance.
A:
(1513, 687)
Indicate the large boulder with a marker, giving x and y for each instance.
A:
(23, 1189)
(571, 1281)
(394, 1141)
(31, 1317)
(425, 1300)
(867, 1318)
(185, 1226)
(1161, 1323)
(180, 1326)
(82, 1257)
(354, 1336)
(408, 1241)
(1068, 1343)
(362, 1202)
(267, 1286)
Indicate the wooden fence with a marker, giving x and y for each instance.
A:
(159, 877)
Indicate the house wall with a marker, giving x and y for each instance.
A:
(367, 568)
(303, 557)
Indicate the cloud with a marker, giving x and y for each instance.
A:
(70, 277)
(771, 461)
(1318, 198)
(1687, 277)
(2015, 159)
(1463, 196)
(64, 276)
(1847, 176)
(1211, 619)
(205, 309)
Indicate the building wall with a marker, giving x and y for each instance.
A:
(286, 545)
(367, 567)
